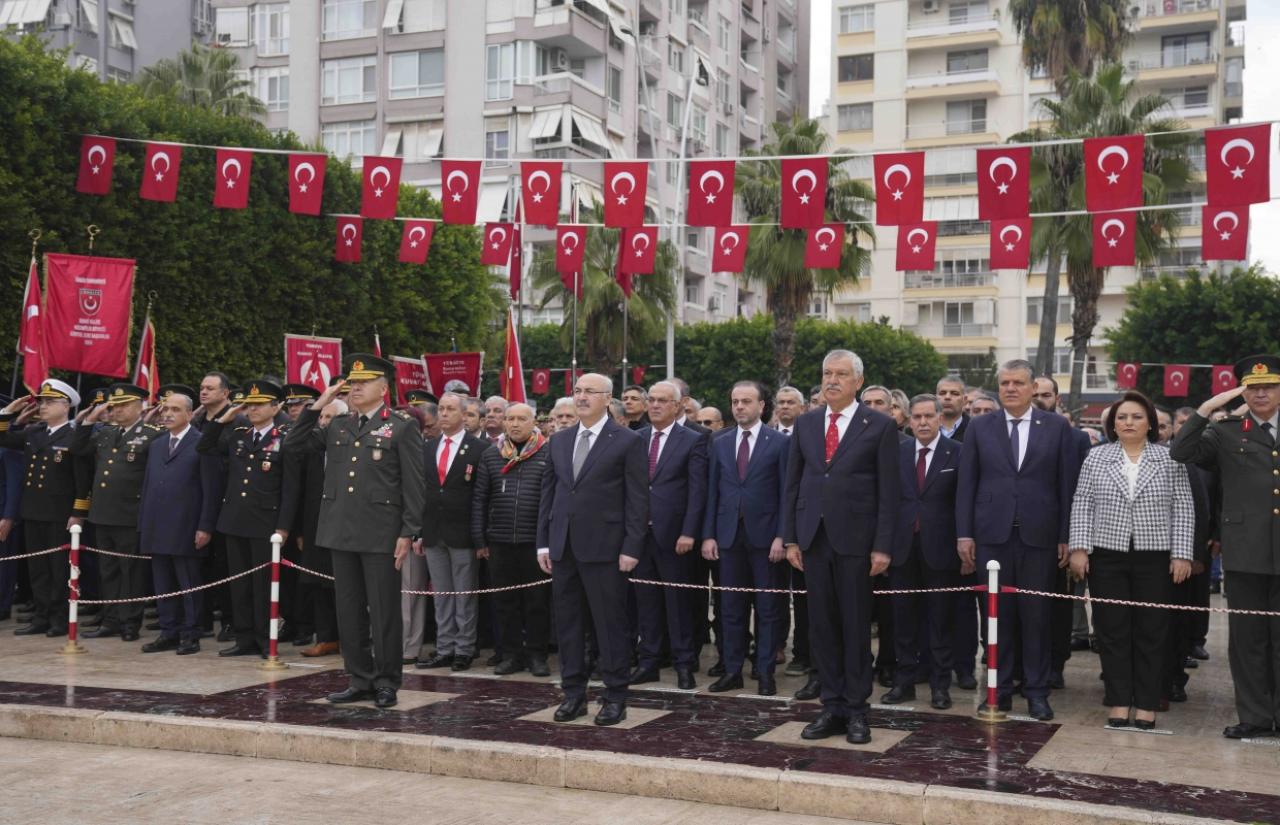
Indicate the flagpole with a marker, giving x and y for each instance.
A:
(625, 304)
(577, 287)
(34, 235)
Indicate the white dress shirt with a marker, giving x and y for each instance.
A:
(455, 442)
(932, 446)
(263, 431)
(1024, 432)
(53, 430)
(180, 435)
(662, 443)
(842, 423)
(1274, 421)
(751, 442)
(785, 430)
(1131, 469)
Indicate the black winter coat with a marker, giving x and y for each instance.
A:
(504, 507)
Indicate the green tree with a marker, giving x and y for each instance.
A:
(1204, 318)
(205, 77)
(1106, 104)
(775, 256)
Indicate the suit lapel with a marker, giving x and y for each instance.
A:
(1147, 469)
(1115, 468)
(859, 423)
(671, 438)
(1257, 434)
(598, 444)
(941, 457)
(462, 454)
(765, 435)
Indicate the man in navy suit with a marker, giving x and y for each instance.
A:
(924, 556)
(677, 462)
(1013, 505)
(743, 529)
(591, 534)
(838, 522)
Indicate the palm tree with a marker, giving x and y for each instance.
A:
(775, 256)
(600, 314)
(1107, 104)
(1059, 37)
(204, 77)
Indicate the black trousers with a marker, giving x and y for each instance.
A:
(180, 615)
(213, 567)
(48, 573)
(1029, 568)
(706, 606)
(882, 613)
(524, 616)
(840, 625)
(250, 595)
(1061, 620)
(664, 613)
(1180, 636)
(923, 621)
(1199, 626)
(367, 593)
(795, 606)
(969, 622)
(1131, 640)
(1253, 646)
(317, 596)
(592, 593)
(121, 578)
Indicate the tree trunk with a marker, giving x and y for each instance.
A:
(1086, 287)
(784, 344)
(1049, 313)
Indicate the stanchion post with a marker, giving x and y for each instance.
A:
(273, 644)
(73, 646)
(992, 712)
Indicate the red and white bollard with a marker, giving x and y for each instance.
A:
(992, 712)
(73, 646)
(273, 638)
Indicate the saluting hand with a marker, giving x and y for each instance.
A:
(26, 415)
(230, 415)
(1220, 400)
(17, 404)
(331, 392)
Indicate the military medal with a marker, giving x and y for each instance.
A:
(57, 456)
(131, 456)
(470, 467)
(377, 454)
(266, 466)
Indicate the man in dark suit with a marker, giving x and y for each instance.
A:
(594, 515)
(924, 556)
(838, 522)
(746, 479)
(1018, 471)
(953, 421)
(317, 591)
(177, 511)
(788, 405)
(214, 400)
(677, 462)
(12, 467)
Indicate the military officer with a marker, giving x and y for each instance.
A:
(297, 397)
(418, 396)
(49, 503)
(1245, 451)
(117, 456)
(261, 497)
(374, 494)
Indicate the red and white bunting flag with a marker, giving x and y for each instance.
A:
(823, 247)
(347, 243)
(415, 241)
(916, 245)
(306, 182)
(899, 180)
(1238, 165)
(1126, 375)
(541, 381)
(1112, 172)
(160, 168)
(512, 383)
(1224, 233)
(97, 160)
(380, 190)
(1113, 239)
(231, 178)
(625, 185)
(804, 192)
(637, 250)
(31, 333)
(497, 244)
(710, 193)
(540, 191)
(1010, 243)
(571, 247)
(1177, 379)
(145, 372)
(1004, 183)
(730, 251)
(460, 190)
(1224, 378)
(515, 265)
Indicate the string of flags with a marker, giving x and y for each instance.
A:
(1237, 169)
(1177, 377)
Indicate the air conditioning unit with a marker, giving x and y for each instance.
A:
(728, 107)
(224, 38)
(768, 34)
(560, 60)
(932, 6)
(714, 304)
(62, 20)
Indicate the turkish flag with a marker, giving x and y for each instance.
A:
(97, 159)
(540, 190)
(804, 192)
(1113, 172)
(347, 245)
(899, 180)
(823, 246)
(916, 244)
(306, 182)
(1011, 243)
(571, 246)
(570, 378)
(1004, 183)
(1238, 165)
(1224, 233)
(415, 241)
(710, 193)
(1224, 378)
(160, 172)
(312, 360)
(637, 250)
(381, 189)
(541, 381)
(730, 252)
(1176, 379)
(515, 267)
(1126, 375)
(460, 192)
(511, 387)
(625, 184)
(31, 334)
(1113, 235)
(637, 374)
(497, 244)
(231, 178)
(146, 373)
(87, 310)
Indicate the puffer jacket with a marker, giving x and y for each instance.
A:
(504, 507)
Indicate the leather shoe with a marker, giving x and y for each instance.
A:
(385, 697)
(321, 649)
(160, 644)
(571, 709)
(812, 690)
(1057, 681)
(726, 682)
(302, 641)
(611, 714)
(859, 731)
(1079, 643)
(538, 666)
(798, 667)
(827, 724)
(226, 634)
(32, 630)
(55, 632)
(641, 676)
(101, 633)
(717, 669)
(768, 686)
(885, 677)
(129, 634)
(1198, 652)
(188, 647)
(350, 695)
(434, 661)
(494, 660)
(965, 681)
(461, 663)
(1246, 731)
(899, 694)
(1004, 703)
(941, 699)
(508, 666)
(1190, 663)
(238, 650)
(1039, 710)
(684, 678)
(1177, 693)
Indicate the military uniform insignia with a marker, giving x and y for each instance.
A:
(1246, 425)
(377, 454)
(266, 466)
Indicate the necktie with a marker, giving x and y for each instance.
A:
(654, 446)
(833, 436)
(257, 440)
(786, 431)
(1266, 428)
(442, 466)
(364, 419)
(744, 454)
(921, 468)
(173, 445)
(580, 452)
(1014, 442)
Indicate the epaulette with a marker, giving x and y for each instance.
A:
(153, 427)
(1230, 419)
(401, 414)
(240, 429)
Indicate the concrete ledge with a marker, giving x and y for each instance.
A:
(500, 761)
(852, 797)
(966, 806)
(687, 779)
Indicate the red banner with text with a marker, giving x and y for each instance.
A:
(411, 374)
(312, 361)
(87, 313)
(443, 367)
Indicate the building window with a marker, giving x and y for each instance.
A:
(416, 15)
(725, 35)
(971, 60)
(497, 147)
(672, 172)
(1036, 305)
(857, 18)
(1061, 359)
(675, 57)
(122, 36)
(675, 112)
(698, 124)
(350, 139)
(417, 74)
(965, 11)
(272, 88)
(342, 19)
(853, 67)
(231, 26)
(349, 80)
(615, 88)
(500, 71)
(271, 28)
(724, 89)
(854, 117)
(859, 312)
(966, 117)
(1184, 49)
(722, 139)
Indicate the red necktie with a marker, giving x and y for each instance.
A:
(653, 451)
(744, 455)
(921, 468)
(833, 437)
(442, 466)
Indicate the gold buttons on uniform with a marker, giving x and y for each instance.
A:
(353, 458)
(352, 473)
(351, 489)
(357, 443)
(242, 495)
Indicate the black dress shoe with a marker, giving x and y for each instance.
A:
(1079, 643)
(508, 666)
(188, 647)
(684, 678)
(1190, 664)
(799, 667)
(641, 676)
(717, 669)
(899, 694)
(965, 681)
(1177, 693)
(461, 663)
(1057, 681)
(104, 632)
(538, 666)
(239, 650)
(350, 695)
(1004, 703)
(129, 634)
(226, 634)
(812, 690)
(385, 697)
(32, 630)
(571, 709)
(1198, 652)
(1144, 724)
(768, 686)
(885, 678)
(859, 731)
(55, 632)
(1039, 710)
(940, 699)
(302, 641)
(611, 714)
(726, 682)
(1246, 731)
(435, 660)
(494, 660)
(827, 724)
(1118, 722)
(160, 644)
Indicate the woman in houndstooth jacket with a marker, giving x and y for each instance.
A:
(1132, 523)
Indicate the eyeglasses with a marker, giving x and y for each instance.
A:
(587, 391)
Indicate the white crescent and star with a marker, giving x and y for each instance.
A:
(566, 238)
(159, 156)
(420, 232)
(350, 236)
(914, 246)
(96, 149)
(540, 174)
(1111, 242)
(1003, 160)
(725, 238)
(1237, 143)
(448, 184)
(1113, 177)
(906, 178)
(230, 163)
(497, 235)
(631, 186)
(1235, 222)
(635, 243)
(823, 246)
(297, 175)
(373, 179)
(714, 175)
(804, 174)
(1176, 377)
(1013, 227)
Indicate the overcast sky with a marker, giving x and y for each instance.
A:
(1261, 102)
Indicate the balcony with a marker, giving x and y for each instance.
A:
(786, 50)
(948, 280)
(968, 330)
(749, 127)
(750, 74)
(580, 29)
(950, 132)
(1173, 64)
(565, 87)
(963, 84)
(932, 31)
(1167, 15)
(650, 59)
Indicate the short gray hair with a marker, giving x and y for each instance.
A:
(888, 393)
(462, 399)
(900, 398)
(926, 398)
(949, 379)
(673, 386)
(841, 354)
(497, 398)
(562, 402)
(789, 390)
(430, 408)
(515, 405)
(1016, 364)
(608, 382)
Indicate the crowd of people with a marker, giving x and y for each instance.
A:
(836, 496)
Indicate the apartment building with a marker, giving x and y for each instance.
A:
(578, 80)
(946, 75)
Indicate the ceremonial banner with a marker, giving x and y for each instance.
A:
(570, 379)
(411, 374)
(571, 245)
(443, 367)
(460, 190)
(311, 360)
(899, 180)
(1238, 165)
(916, 243)
(87, 310)
(1224, 378)
(1113, 239)
(710, 193)
(97, 157)
(637, 374)
(804, 192)
(540, 191)
(346, 246)
(730, 251)
(1126, 375)
(145, 372)
(1004, 183)
(306, 182)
